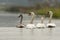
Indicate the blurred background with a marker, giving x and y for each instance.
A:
(11, 9)
(38, 6)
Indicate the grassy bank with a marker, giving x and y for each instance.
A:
(44, 11)
(56, 11)
(40, 11)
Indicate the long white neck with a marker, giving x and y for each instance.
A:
(42, 19)
(33, 16)
(51, 14)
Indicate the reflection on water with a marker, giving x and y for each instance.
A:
(12, 33)
(50, 33)
(21, 34)
(32, 31)
(39, 34)
(8, 30)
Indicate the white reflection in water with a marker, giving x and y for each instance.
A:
(32, 34)
(21, 33)
(50, 33)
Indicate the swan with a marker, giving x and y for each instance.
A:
(50, 24)
(41, 25)
(20, 25)
(31, 25)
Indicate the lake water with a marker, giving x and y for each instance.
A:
(9, 31)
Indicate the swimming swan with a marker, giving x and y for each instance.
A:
(20, 25)
(50, 25)
(31, 25)
(41, 25)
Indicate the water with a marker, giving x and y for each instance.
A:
(8, 30)
(13, 33)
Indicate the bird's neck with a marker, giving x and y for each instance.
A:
(21, 19)
(42, 19)
(32, 19)
(50, 18)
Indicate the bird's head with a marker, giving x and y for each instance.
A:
(31, 13)
(50, 12)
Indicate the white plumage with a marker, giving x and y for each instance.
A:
(51, 25)
(40, 25)
(30, 26)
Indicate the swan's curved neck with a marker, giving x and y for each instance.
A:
(32, 19)
(51, 14)
(21, 17)
(42, 19)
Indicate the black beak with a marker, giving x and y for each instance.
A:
(47, 14)
(29, 14)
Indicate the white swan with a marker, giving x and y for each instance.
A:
(50, 25)
(31, 25)
(41, 25)
(20, 25)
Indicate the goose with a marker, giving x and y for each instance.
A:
(31, 25)
(50, 24)
(41, 25)
(20, 25)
